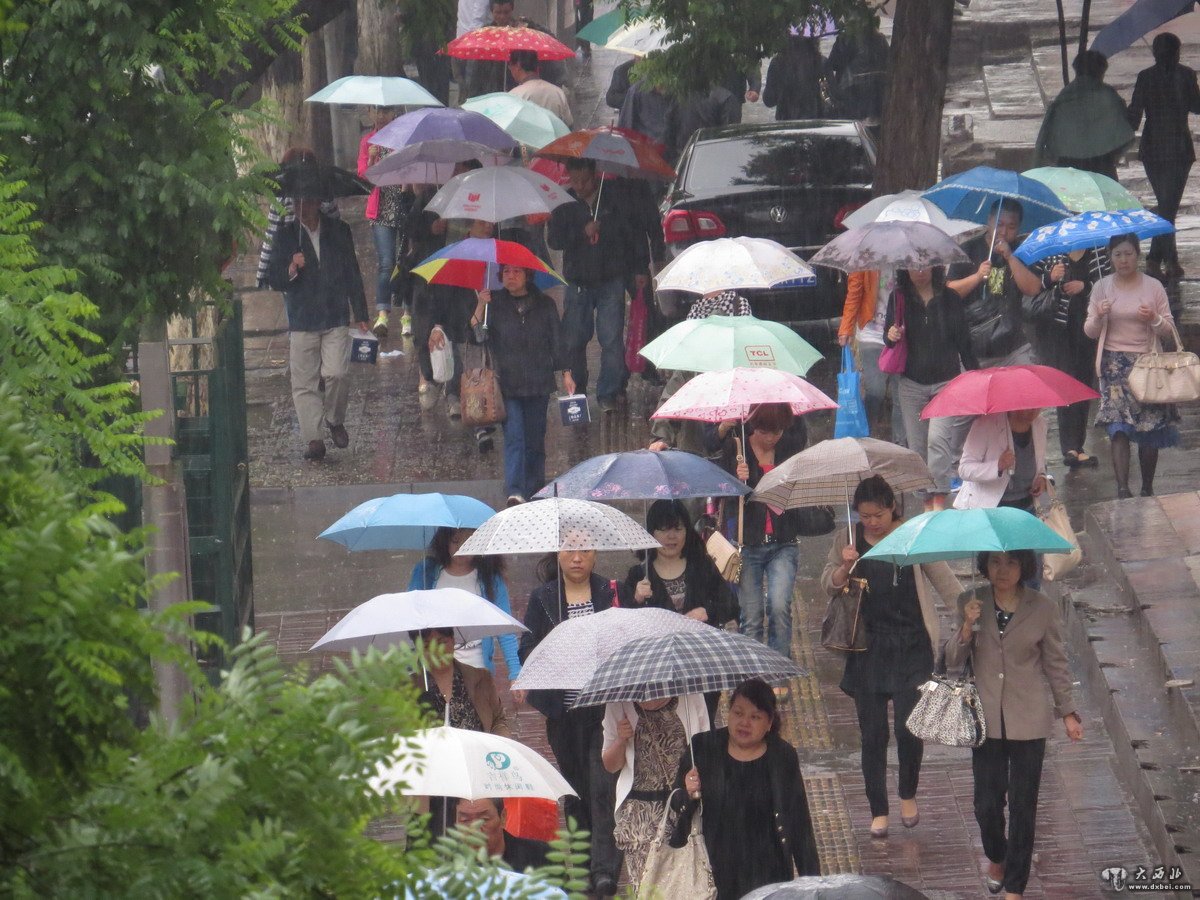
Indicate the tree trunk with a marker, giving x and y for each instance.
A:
(910, 144)
(315, 116)
(379, 50)
(341, 46)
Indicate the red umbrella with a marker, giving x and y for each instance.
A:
(620, 152)
(1005, 389)
(495, 42)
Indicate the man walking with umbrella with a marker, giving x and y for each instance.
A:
(315, 266)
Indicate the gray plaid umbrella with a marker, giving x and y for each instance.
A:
(689, 662)
(889, 245)
(827, 473)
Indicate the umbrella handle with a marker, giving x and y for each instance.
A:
(741, 458)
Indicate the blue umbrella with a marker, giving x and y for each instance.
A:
(1089, 230)
(961, 533)
(645, 475)
(1138, 21)
(974, 194)
(405, 521)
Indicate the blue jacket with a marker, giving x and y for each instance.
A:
(508, 642)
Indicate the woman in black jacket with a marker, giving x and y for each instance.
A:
(571, 589)
(524, 334)
(934, 327)
(756, 820)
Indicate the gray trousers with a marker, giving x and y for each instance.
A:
(876, 385)
(931, 439)
(314, 355)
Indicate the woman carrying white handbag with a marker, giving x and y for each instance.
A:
(1127, 310)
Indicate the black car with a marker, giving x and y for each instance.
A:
(791, 182)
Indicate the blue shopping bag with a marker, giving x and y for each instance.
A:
(851, 418)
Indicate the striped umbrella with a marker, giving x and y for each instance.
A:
(827, 473)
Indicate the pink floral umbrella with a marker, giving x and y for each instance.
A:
(736, 393)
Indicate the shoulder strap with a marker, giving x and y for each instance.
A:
(1100, 345)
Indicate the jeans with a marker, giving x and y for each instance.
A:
(873, 723)
(876, 386)
(776, 563)
(575, 737)
(1168, 182)
(1013, 768)
(930, 439)
(524, 445)
(385, 253)
(596, 308)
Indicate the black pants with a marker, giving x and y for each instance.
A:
(1070, 351)
(1013, 768)
(873, 723)
(1168, 181)
(575, 738)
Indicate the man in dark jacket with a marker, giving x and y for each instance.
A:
(489, 815)
(601, 247)
(1165, 93)
(316, 268)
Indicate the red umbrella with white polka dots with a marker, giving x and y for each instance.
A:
(496, 42)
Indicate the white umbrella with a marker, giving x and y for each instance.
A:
(386, 620)
(740, 263)
(569, 655)
(556, 523)
(431, 162)
(497, 193)
(473, 765)
(375, 90)
(639, 38)
(907, 206)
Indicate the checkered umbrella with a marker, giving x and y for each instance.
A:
(553, 524)
(689, 662)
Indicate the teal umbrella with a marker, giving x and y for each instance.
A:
(527, 122)
(601, 28)
(719, 343)
(961, 533)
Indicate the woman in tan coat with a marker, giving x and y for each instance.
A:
(902, 630)
(1013, 637)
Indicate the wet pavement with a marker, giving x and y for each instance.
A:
(1094, 802)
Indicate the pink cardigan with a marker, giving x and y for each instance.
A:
(1126, 332)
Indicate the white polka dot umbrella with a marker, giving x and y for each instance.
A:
(556, 523)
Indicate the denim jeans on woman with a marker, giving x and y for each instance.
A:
(599, 309)
(524, 445)
(385, 253)
(765, 592)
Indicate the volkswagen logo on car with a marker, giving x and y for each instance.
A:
(778, 214)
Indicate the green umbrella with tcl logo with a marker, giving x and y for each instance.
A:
(720, 343)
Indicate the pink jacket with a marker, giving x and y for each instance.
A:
(365, 162)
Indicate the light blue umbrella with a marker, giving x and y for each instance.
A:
(1136, 22)
(375, 90)
(974, 194)
(645, 475)
(1088, 231)
(405, 521)
(961, 533)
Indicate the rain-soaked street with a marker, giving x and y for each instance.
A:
(1114, 799)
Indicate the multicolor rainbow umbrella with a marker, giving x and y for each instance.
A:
(475, 263)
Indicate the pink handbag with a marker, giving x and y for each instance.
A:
(894, 359)
(635, 334)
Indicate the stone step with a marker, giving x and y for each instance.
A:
(1013, 91)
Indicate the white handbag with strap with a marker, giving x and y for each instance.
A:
(1056, 565)
(1166, 377)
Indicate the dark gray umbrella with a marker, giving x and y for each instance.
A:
(889, 245)
(841, 887)
(309, 180)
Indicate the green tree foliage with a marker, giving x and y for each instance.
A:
(144, 184)
(715, 38)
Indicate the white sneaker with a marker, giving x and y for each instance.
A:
(427, 397)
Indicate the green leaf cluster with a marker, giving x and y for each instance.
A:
(145, 184)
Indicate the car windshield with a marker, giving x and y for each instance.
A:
(780, 160)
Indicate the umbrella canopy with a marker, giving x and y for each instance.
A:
(458, 125)
(644, 475)
(430, 162)
(496, 42)
(375, 90)
(889, 245)
(473, 765)
(526, 122)
(405, 521)
(906, 206)
(685, 662)
(1090, 230)
(639, 38)
(828, 473)
(719, 343)
(1082, 191)
(733, 264)
(310, 180)
(557, 523)
(1139, 20)
(961, 533)
(830, 887)
(616, 152)
(571, 653)
(500, 884)
(496, 194)
(600, 29)
(386, 620)
(1004, 389)
(470, 263)
(974, 194)
(736, 393)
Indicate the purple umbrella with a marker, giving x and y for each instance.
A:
(424, 125)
